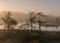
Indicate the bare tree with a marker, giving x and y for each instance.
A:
(32, 19)
(39, 21)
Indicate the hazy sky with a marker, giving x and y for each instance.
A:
(46, 6)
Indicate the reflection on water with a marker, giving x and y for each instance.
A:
(42, 28)
(1, 26)
(50, 28)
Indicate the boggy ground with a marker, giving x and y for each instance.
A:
(16, 36)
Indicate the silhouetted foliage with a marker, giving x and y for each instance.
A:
(15, 35)
(32, 19)
(39, 21)
(9, 21)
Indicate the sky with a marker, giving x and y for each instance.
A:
(45, 6)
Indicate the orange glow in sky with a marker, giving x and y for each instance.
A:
(45, 6)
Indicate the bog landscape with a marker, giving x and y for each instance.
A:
(29, 21)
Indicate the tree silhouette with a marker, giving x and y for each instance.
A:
(9, 21)
(32, 19)
(39, 20)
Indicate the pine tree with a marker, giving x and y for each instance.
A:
(9, 21)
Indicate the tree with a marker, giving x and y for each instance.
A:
(31, 19)
(39, 20)
(9, 21)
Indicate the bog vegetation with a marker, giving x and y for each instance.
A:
(11, 35)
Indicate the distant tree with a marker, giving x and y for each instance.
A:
(39, 22)
(31, 19)
(9, 21)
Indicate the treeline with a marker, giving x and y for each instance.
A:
(9, 22)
